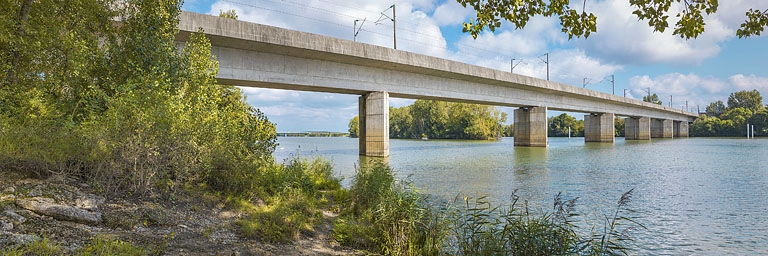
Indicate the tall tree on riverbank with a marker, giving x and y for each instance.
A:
(123, 106)
(744, 107)
(746, 99)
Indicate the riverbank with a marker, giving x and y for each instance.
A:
(66, 216)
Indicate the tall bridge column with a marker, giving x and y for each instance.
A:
(598, 127)
(637, 128)
(374, 124)
(681, 129)
(662, 128)
(531, 126)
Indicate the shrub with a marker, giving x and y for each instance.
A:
(388, 217)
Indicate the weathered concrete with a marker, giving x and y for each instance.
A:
(637, 128)
(374, 124)
(681, 129)
(257, 55)
(598, 127)
(531, 126)
(662, 128)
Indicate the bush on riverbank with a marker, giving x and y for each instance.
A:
(391, 217)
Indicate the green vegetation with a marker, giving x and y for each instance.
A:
(653, 98)
(442, 120)
(557, 126)
(744, 107)
(122, 106)
(392, 218)
(293, 194)
(578, 22)
(104, 246)
(42, 247)
(98, 246)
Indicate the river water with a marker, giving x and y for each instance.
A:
(696, 196)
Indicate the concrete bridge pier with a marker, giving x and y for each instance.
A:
(662, 128)
(374, 124)
(681, 129)
(531, 126)
(598, 127)
(637, 128)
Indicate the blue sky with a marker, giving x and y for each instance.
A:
(699, 71)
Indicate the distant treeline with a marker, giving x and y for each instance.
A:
(443, 120)
(312, 134)
(744, 107)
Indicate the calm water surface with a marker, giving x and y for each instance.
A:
(697, 196)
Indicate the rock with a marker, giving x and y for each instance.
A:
(46, 206)
(7, 198)
(35, 192)
(17, 239)
(15, 217)
(9, 190)
(5, 226)
(88, 201)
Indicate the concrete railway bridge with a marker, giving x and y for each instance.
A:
(257, 55)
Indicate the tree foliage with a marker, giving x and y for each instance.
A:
(653, 98)
(559, 126)
(123, 106)
(354, 127)
(230, 14)
(746, 99)
(578, 22)
(717, 108)
(744, 107)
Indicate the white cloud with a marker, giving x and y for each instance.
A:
(695, 89)
(749, 82)
(622, 38)
(452, 13)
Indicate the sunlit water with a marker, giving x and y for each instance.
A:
(696, 196)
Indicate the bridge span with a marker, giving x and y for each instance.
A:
(256, 55)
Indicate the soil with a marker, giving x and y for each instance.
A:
(187, 224)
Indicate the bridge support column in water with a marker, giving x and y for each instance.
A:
(374, 124)
(637, 128)
(662, 128)
(681, 129)
(531, 126)
(598, 127)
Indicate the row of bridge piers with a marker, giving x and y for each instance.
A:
(530, 126)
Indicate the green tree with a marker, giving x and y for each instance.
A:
(123, 106)
(760, 120)
(509, 130)
(558, 126)
(575, 22)
(618, 126)
(401, 122)
(354, 127)
(230, 14)
(653, 98)
(746, 99)
(717, 108)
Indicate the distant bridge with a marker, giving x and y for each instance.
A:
(256, 55)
